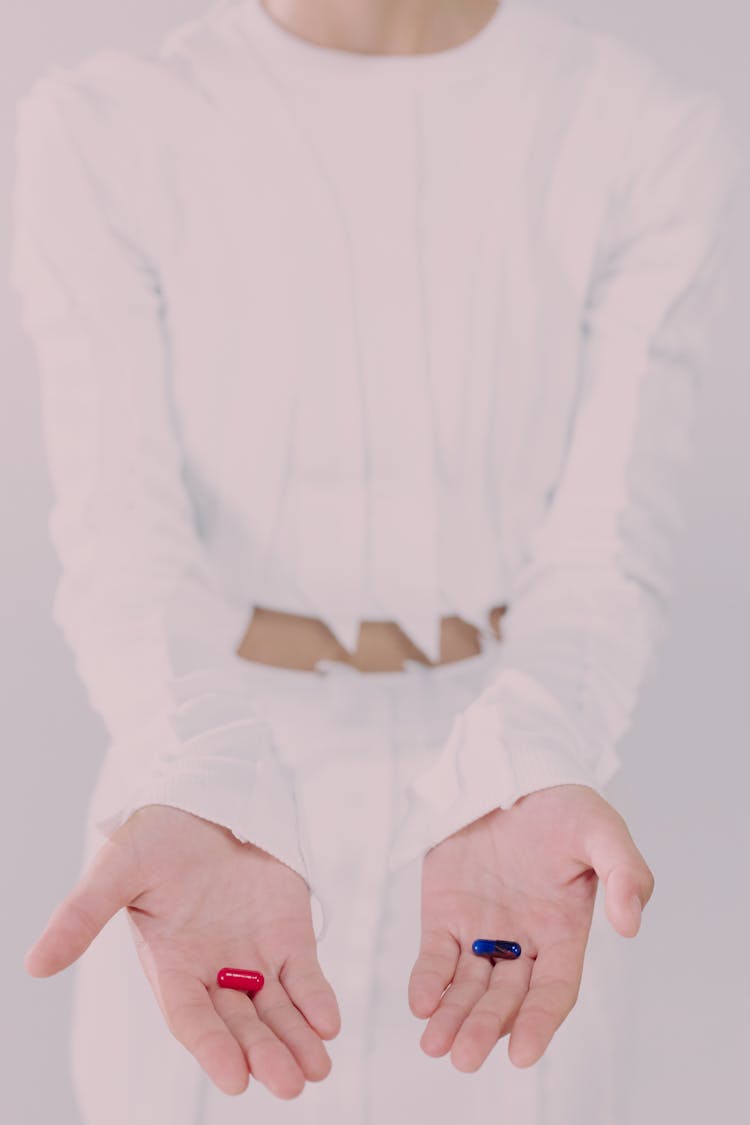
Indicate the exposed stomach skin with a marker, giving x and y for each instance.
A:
(291, 640)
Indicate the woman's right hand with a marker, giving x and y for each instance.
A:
(197, 900)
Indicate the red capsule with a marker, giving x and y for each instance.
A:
(244, 980)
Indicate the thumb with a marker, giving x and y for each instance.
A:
(109, 883)
(628, 880)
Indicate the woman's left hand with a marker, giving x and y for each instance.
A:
(527, 874)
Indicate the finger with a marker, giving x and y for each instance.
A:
(469, 983)
(433, 971)
(193, 1020)
(277, 1011)
(492, 1015)
(553, 990)
(269, 1059)
(628, 880)
(108, 884)
(307, 987)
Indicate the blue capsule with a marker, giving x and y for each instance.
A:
(506, 950)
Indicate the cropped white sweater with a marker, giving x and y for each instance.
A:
(365, 336)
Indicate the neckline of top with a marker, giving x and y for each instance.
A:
(305, 61)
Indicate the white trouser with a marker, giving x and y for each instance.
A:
(354, 740)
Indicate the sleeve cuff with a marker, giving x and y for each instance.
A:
(253, 796)
(512, 740)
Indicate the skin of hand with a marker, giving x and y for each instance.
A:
(528, 874)
(197, 900)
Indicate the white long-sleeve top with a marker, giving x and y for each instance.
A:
(365, 336)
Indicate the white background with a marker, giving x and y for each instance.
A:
(683, 788)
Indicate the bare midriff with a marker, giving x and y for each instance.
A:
(290, 640)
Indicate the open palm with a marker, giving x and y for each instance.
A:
(527, 874)
(198, 900)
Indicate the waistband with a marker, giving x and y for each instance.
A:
(346, 686)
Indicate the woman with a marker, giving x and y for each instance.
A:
(380, 321)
